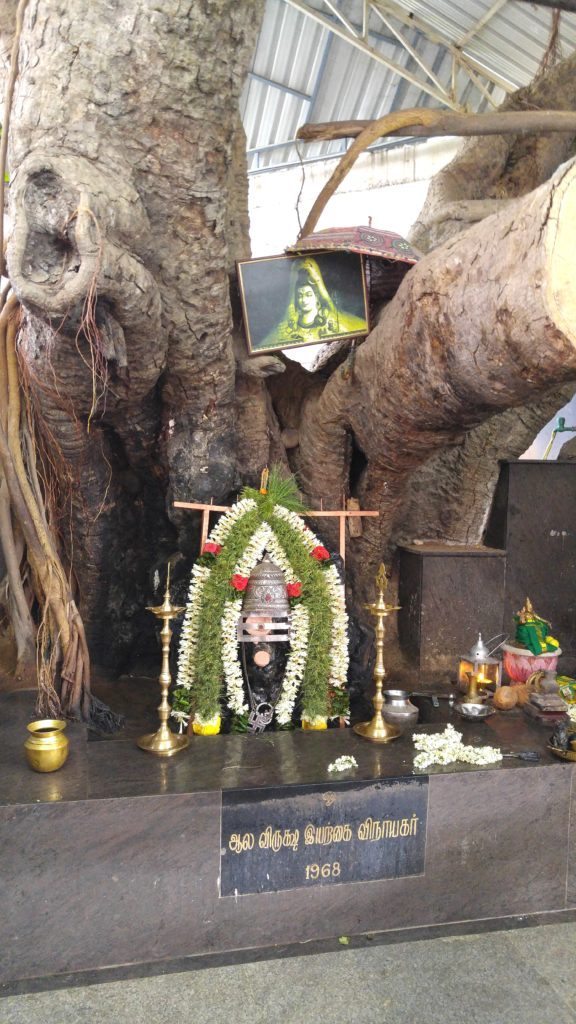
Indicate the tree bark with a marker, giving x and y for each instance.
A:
(478, 326)
(448, 498)
(502, 168)
(520, 122)
(124, 228)
(128, 209)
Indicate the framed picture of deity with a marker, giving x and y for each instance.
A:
(291, 301)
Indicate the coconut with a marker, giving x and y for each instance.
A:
(506, 697)
(522, 694)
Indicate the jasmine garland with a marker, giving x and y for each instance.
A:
(209, 669)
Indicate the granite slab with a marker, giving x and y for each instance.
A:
(114, 861)
(118, 768)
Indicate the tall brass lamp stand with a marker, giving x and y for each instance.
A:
(377, 729)
(164, 742)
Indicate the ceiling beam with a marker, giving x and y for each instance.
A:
(411, 50)
(465, 59)
(279, 85)
(482, 22)
(561, 5)
(361, 44)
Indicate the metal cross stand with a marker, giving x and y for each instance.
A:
(342, 514)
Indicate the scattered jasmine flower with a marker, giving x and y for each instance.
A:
(447, 747)
(181, 717)
(342, 764)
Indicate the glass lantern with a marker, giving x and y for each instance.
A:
(478, 660)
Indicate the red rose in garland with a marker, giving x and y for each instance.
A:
(239, 582)
(320, 553)
(294, 589)
(211, 549)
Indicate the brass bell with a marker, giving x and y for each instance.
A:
(266, 609)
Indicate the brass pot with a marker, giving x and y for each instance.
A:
(46, 748)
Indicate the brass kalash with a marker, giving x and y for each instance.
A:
(377, 730)
(164, 742)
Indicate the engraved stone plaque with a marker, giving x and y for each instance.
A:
(299, 836)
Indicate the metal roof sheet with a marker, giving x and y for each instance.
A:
(302, 71)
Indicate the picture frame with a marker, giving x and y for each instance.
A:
(312, 298)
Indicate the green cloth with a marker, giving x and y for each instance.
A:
(534, 635)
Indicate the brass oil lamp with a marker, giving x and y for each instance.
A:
(377, 729)
(164, 742)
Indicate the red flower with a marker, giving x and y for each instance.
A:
(320, 553)
(239, 582)
(211, 549)
(294, 589)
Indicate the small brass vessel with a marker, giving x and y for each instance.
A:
(47, 747)
(473, 694)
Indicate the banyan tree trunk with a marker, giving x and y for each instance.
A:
(480, 325)
(127, 210)
(126, 217)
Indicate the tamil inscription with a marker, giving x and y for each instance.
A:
(296, 837)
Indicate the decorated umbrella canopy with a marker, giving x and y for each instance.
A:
(388, 256)
(370, 241)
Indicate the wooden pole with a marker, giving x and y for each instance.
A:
(343, 515)
(506, 122)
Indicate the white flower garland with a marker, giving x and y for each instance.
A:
(263, 539)
(254, 551)
(343, 764)
(296, 665)
(220, 532)
(278, 555)
(309, 538)
(447, 747)
(230, 661)
(189, 634)
(339, 638)
(200, 574)
(182, 717)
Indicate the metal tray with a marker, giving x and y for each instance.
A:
(566, 755)
(483, 711)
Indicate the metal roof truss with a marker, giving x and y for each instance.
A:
(387, 12)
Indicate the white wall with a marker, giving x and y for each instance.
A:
(388, 186)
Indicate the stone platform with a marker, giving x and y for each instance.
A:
(114, 863)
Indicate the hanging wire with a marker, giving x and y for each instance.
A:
(499, 644)
(302, 183)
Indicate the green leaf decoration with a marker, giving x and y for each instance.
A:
(282, 490)
(207, 684)
(205, 696)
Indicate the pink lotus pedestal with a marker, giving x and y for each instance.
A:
(519, 663)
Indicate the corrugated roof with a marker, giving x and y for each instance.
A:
(302, 71)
